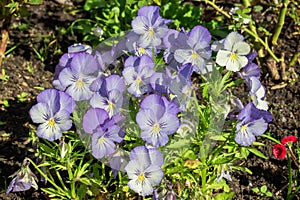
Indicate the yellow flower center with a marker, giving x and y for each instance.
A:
(110, 105)
(79, 83)
(195, 55)
(156, 128)
(101, 139)
(151, 32)
(142, 50)
(233, 56)
(139, 81)
(243, 128)
(51, 122)
(141, 177)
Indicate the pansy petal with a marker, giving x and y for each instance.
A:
(154, 174)
(231, 39)
(39, 113)
(143, 188)
(93, 118)
(241, 48)
(257, 127)
(222, 57)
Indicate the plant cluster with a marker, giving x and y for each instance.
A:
(155, 104)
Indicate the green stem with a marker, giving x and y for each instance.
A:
(263, 43)
(290, 178)
(294, 59)
(46, 177)
(212, 4)
(280, 23)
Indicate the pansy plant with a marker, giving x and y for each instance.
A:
(151, 89)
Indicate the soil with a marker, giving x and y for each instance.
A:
(26, 72)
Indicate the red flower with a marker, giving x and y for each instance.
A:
(287, 139)
(279, 151)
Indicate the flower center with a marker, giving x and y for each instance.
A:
(233, 56)
(138, 81)
(101, 139)
(79, 83)
(142, 51)
(51, 122)
(141, 177)
(156, 128)
(151, 32)
(194, 55)
(243, 128)
(110, 105)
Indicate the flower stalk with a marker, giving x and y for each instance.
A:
(280, 23)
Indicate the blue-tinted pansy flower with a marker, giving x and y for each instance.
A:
(52, 113)
(144, 170)
(65, 62)
(198, 50)
(78, 77)
(133, 46)
(157, 118)
(233, 56)
(172, 41)
(160, 82)
(150, 26)
(181, 86)
(137, 73)
(24, 180)
(253, 122)
(105, 131)
(108, 93)
(75, 48)
(257, 93)
(251, 69)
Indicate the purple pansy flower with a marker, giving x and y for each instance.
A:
(65, 62)
(24, 180)
(108, 93)
(144, 169)
(253, 122)
(198, 51)
(251, 69)
(134, 47)
(160, 82)
(257, 93)
(157, 118)
(52, 112)
(105, 131)
(150, 26)
(181, 86)
(137, 73)
(78, 77)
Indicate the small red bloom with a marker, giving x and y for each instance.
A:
(279, 151)
(287, 139)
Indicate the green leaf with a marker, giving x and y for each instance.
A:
(256, 190)
(224, 196)
(257, 152)
(269, 194)
(258, 8)
(35, 2)
(263, 189)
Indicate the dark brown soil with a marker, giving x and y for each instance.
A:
(45, 20)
